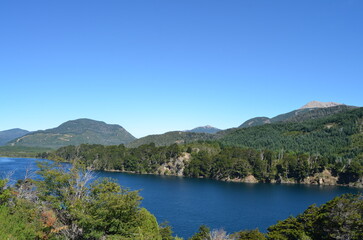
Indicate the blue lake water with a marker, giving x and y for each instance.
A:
(188, 203)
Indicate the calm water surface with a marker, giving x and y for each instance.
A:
(187, 203)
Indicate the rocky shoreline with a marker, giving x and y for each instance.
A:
(176, 166)
(324, 178)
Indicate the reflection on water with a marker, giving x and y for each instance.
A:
(6, 160)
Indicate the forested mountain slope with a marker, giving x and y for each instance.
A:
(338, 134)
(8, 135)
(76, 132)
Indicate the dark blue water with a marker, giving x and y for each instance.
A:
(187, 203)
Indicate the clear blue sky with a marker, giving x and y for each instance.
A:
(155, 66)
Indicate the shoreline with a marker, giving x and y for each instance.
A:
(247, 179)
(360, 185)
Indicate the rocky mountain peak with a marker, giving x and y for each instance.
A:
(317, 104)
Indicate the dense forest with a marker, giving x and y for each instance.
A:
(216, 160)
(20, 151)
(70, 204)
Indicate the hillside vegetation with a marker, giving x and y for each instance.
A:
(71, 204)
(74, 133)
(336, 135)
(8, 135)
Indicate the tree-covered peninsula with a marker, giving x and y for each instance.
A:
(327, 150)
(217, 161)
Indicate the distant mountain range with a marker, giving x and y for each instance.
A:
(76, 132)
(169, 138)
(89, 131)
(8, 135)
(296, 116)
(204, 129)
(205, 133)
(329, 135)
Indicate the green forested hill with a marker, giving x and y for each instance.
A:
(76, 132)
(8, 135)
(340, 134)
